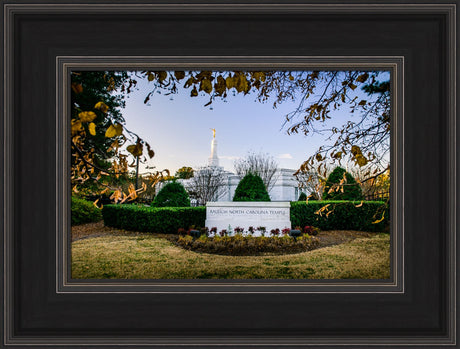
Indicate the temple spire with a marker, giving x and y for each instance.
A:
(213, 160)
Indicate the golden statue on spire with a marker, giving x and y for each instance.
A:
(213, 133)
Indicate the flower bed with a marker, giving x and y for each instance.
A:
(240, 245)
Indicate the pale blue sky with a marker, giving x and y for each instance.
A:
(178, 128)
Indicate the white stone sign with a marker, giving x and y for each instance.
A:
(270, 215)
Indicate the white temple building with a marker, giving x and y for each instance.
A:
(285, 188)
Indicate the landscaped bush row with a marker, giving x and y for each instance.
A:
(84, 211)
(345, 215)
(165, 220)
(239, 245)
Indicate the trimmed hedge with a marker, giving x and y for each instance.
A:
(84, 211)
(345, 215)
(166, 220)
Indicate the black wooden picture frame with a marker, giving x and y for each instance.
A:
(44, 307)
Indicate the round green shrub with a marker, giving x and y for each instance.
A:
(172, 195)
(251, 188)
(84, 211)
(351, 189)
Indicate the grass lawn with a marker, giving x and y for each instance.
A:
(107, 253)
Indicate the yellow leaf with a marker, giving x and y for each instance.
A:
(77, 88)
(110, 132)
(76, 126)
(362, 77)
(206, 86)
(359, 205)
(125, 197)
(229, 82)
(162, 75)
(379, 220)
(259, 75)
(179, 74)
(132, 191)
(131, 148)
(355, 150)
(135, 149)
(92, 128)
(116, 196)
(114, 130)
(361, 160)
(220, 86)
(87, 116)
(102, 107)
(190, 81)
(324, 208)
(242, 84)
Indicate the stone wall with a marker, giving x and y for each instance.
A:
(228, 215)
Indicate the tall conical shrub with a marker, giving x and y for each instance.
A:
(302, 197)
(351, 189)
(251, 188)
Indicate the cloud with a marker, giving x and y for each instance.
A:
(284, 156)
